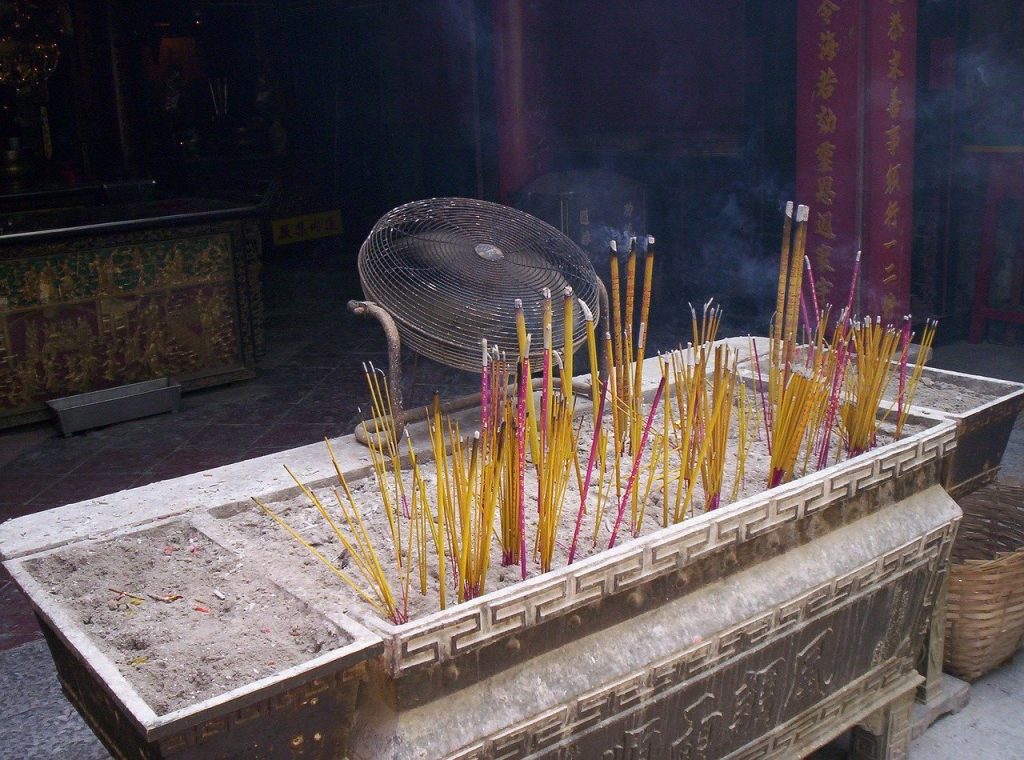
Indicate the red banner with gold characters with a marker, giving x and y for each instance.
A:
(855, 121)
(888, 156)
(828, 87)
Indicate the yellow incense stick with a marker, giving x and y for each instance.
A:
(595, 371)
(375, 603)
(923, 351)
(780, 297)
(616, 302)
(630, 288)
(795, 281)
(667, 412)
(531, 406)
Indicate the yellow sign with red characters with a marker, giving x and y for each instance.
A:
(306, 227)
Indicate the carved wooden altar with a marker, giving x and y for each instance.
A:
(103, 305)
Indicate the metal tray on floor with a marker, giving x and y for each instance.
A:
(125, 402)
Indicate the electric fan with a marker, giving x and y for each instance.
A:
(443, 274)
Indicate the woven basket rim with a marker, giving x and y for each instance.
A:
(992, 526)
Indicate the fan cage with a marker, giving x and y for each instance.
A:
(449, 270)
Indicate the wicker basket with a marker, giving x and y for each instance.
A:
(985, 616)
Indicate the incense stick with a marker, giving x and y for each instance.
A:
(590, 469)
(636, 463)
(924, 349)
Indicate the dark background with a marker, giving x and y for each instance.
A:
(363, 105)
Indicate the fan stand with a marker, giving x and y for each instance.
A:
(370, 309)
(399, 417)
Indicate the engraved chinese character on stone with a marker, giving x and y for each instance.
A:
(892, 139)
(823, 258)
(822, 266)
(889, 305)
(641, 743)
(755, 700)
(897, 632)
(823, 224)
(698, 723)
(895, 104)
(825, 194)
(812, 677)
(826, 10)
(892, 214)
(890, 274)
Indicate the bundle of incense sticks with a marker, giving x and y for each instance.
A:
(717, 408)
(480, 478)
(908, 387)
(703, 389)
(874, 346)
(629, 340)
(378, 591)
(847, 369)
(794, 392)
(840, 347)
(743, 440)
(631, 481)
(624, 352)
(391, 600)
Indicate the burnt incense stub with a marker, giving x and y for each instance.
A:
(138, 594)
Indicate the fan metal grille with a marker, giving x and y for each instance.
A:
(448, 270)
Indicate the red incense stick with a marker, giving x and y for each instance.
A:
(636, 462)
(814, 291)
(590, 470)
(765, 406)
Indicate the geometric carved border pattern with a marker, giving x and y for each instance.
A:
(472, 625)
(610, 700)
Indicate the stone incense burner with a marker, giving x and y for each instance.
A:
(762, 629)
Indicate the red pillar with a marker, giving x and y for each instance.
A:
(521, 108)
(828, 138)
(855, 130)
